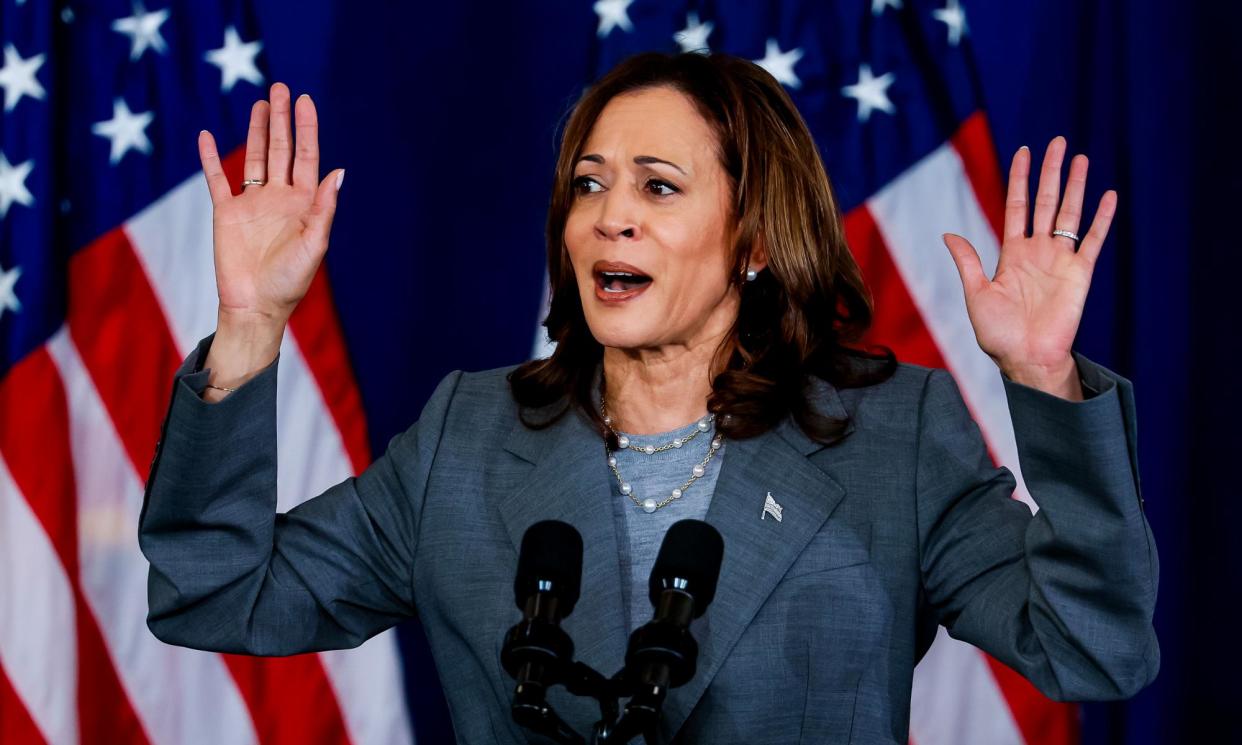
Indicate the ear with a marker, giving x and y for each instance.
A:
(758, 254)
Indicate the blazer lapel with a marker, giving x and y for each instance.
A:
(569, 482)
(758, 550)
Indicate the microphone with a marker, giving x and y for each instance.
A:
(537, 652)
(662, 653)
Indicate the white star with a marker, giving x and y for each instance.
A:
(878, 6)
(871, 92)
(8, 298)
(13, 184)
(693, 38)
(954, 17)
(125, 129)
(143, 29)
(17, 77)
(780, 65)
(235, 60)
(613, 13)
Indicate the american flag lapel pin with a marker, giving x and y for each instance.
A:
(770, 507)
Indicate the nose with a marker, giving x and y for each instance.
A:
(616, 219)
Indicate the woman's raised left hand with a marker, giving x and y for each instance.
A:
(1025, 318)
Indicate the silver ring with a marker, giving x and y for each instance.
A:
(253, 182)
(1068, 234)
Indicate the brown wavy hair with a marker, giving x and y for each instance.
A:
(794, 320)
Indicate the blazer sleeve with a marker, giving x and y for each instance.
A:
(229, 574)
(1066, 596)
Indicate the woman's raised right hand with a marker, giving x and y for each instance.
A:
(270, 239)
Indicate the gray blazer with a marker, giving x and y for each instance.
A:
(818, 621)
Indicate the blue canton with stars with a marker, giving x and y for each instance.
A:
(103, 101)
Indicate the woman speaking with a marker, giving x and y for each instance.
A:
(703, 300)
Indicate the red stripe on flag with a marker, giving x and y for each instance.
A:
(315, 326)
(317, 329)
(16, 726)
(125, 343)
(34, 440)
(973, 143)
(1041, 720)
(290, 699)
(896, 322)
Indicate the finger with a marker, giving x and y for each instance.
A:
(1093, 241)
(1070, 215)
(255, 167)
(1015, 202)
(217, 182)
(279, 138)
(306, 160)
(1048, 194)
(323, 208)
(968, 266)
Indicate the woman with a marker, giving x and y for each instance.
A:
(702, 298)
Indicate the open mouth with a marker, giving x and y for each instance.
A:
(620, 282)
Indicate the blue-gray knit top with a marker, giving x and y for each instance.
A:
(640, 533)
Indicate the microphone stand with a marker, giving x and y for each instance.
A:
(641, 717)
(642, 711)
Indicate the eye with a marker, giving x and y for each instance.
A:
(661, 188)
(584, 184)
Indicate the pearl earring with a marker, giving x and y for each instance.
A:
(751, 274)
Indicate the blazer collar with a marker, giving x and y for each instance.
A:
(571, 482)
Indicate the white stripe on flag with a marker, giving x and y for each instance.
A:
(933, 197)
(955, 700)
(310, 456)
(208, 708)
(543, 346)
(368, 683)
(173, 241)
(38, 633)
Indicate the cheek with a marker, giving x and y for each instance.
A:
(575, 236)
(696, 286)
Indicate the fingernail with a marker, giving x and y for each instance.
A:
(1024, 147)
(340, 177)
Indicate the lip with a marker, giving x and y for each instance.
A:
(617, 266)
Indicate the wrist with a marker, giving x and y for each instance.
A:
(240, 350)
(1060, 379)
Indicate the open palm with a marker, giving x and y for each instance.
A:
(270, 239)
(1025, 318)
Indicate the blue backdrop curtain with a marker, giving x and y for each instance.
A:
(442, 238)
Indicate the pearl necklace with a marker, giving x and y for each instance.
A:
(649, 504)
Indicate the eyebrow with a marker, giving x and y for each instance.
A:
(642, 160)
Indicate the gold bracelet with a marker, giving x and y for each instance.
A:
(221, 388)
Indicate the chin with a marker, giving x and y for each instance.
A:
(622, 332)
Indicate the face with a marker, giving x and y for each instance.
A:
(651, 198)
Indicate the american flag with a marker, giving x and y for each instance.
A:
(107, 283)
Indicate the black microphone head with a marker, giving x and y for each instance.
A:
(689, 559)
(551, 554)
